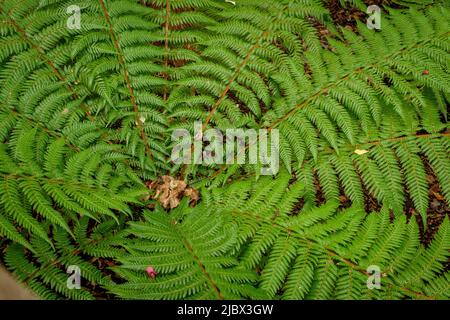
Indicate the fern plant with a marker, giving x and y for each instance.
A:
(318, 253)
(191, 250)
(348, 100)
(46, 269)
(87, 114)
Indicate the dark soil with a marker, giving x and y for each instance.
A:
(438, 207)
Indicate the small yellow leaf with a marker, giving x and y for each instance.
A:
(361, 152)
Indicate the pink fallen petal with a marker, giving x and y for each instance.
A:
(151, 272)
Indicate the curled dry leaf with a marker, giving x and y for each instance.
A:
(169, 192)
(193, 194)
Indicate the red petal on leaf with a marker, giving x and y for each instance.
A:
(151, 272)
